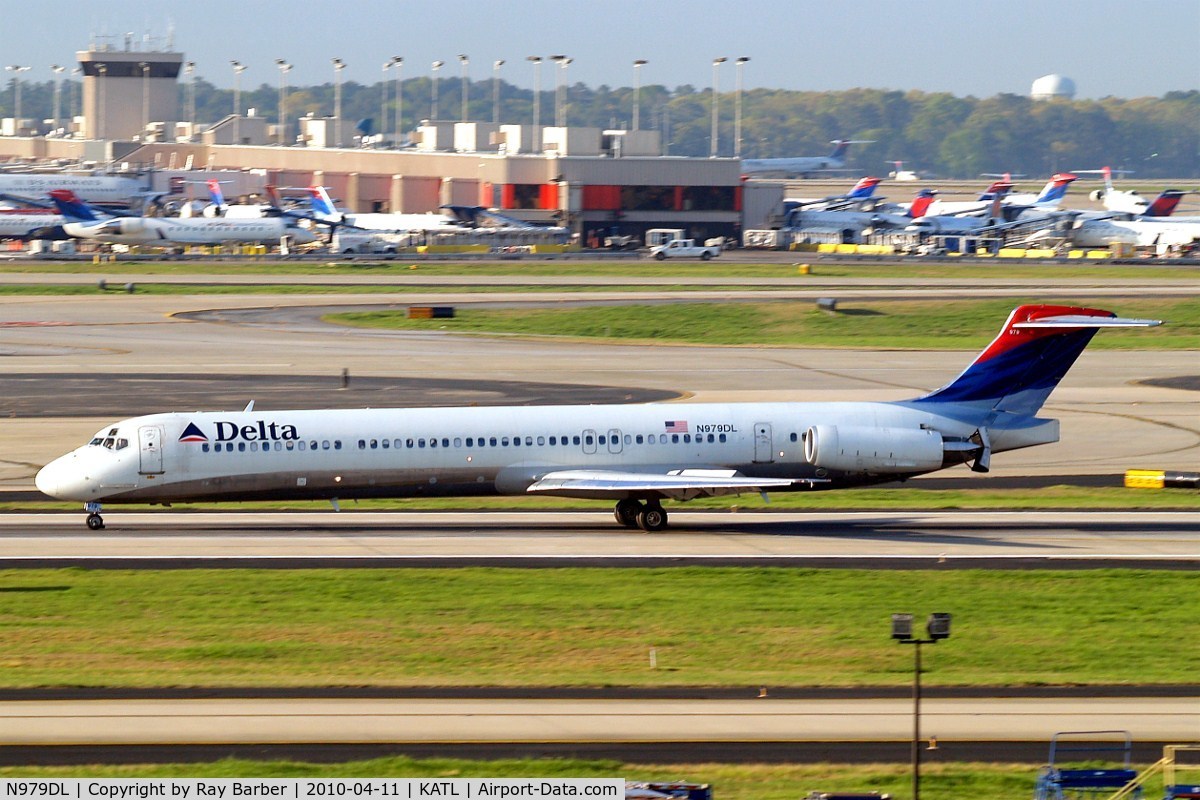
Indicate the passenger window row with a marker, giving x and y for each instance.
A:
(265, 447)
(542, 441)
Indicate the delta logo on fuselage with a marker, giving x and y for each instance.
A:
(262, 431)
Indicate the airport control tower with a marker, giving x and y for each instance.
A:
(123, 87)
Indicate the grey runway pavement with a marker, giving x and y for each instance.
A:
(892, 539)
(349, 720)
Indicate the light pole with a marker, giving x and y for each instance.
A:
(145, 98)
(383, 112)
(284, 69)
(637, 91)
(238, 69)
(717, 62)
(463, 61)
(937, 627)
(496, 65)
(190, 69)
(537, 101)
(737, 109)
(560, 115)
(58, 71)
(433, 108)
(338, 66)
(398, 64)
(102, 71)
(16, 70)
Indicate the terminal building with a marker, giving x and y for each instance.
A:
(599, 183)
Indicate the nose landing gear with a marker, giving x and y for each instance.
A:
(95, 522)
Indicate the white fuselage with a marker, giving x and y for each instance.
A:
(470, 451)
(1139, 232)
(89, 188)
(157, 230)
(400, 222)
(22, 226)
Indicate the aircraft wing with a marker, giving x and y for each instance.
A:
(679, 484)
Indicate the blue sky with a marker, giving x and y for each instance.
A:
(1108, 47)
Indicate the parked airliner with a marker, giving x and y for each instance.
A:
(637, 455)
(83, 222)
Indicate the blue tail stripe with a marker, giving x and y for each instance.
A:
(1027, 374)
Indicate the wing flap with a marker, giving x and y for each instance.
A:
(681, 484)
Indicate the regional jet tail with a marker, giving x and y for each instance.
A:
(804, 166)
(634, 455)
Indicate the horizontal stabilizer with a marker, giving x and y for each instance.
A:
(1079, 321)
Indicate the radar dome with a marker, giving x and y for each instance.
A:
(1048, 87)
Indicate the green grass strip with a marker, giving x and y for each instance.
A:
(589, 627)
(966, 324)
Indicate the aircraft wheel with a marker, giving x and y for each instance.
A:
(627, 512)
(95, 522)
(652, 519)
(660, 256)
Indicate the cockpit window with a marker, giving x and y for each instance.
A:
(122, 443)
(97, 440)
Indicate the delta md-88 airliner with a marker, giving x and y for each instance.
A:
(636, 455)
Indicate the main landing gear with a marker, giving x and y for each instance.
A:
(95, 522)
(648, 516)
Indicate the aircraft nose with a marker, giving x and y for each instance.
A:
(47, 479)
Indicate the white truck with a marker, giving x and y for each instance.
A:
(685, 248)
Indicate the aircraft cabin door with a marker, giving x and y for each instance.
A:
(589, 441)
(764, 451)
(614, 441)
(150, 440)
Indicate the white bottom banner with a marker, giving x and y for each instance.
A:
(313, 788)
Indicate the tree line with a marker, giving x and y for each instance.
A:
(953, 137)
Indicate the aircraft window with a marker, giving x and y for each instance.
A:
(457, 442)
(408, 443)
(674, 438)
(301, 446)
(722, 438)
(278, 446)
(793, 436)
(711, 438)
(628, 439)
(374, 444)
(204, 447)
(337, 445)
(97, 440)
(639, 439)
(445, 442)
(433, 442)
(687, 438)
(662, 438)
(312, 445)
(541, 440)
(122, 444)
(385, 444)
(504, 441)
(290, 445)
(242, 447)
(492, 442)
(575, 439)
(516, 441)
(601, 437)
(529, 441)
(112, 431)
(109, 442)
(420, 443)
(254, 447)
(470, 441)
(553, 440)
(587, 440)
(362, 444)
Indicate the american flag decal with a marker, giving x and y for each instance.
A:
(676, 426)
